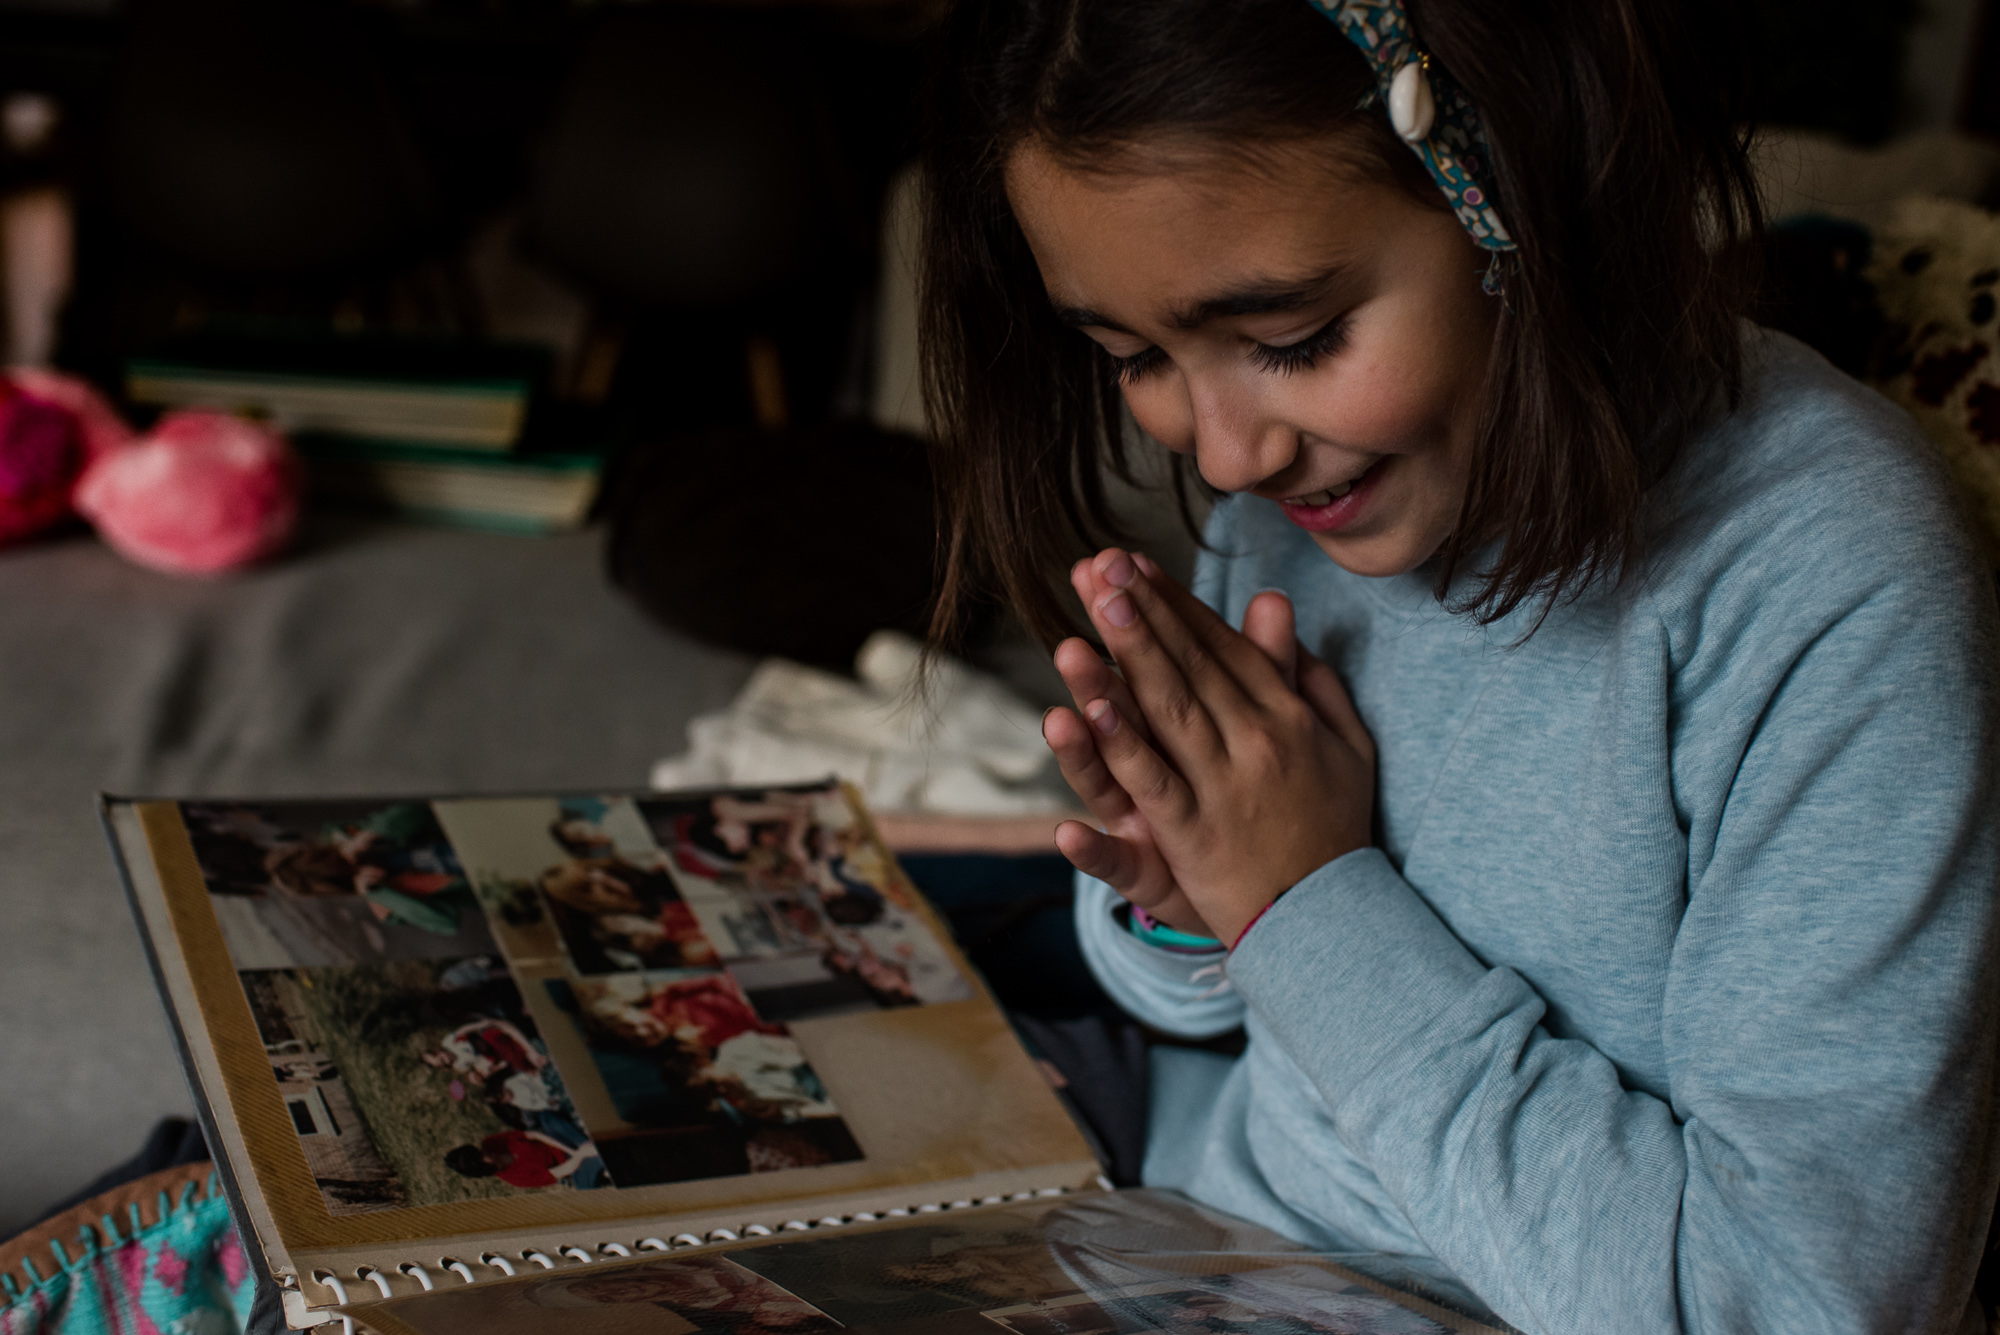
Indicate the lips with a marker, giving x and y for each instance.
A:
(1333, 507)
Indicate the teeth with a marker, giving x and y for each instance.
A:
(1327, 497)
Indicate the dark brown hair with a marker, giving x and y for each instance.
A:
(1618, 130)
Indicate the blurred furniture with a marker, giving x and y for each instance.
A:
(260, 138)
(691, 180)
(343, 165)
(691, 163)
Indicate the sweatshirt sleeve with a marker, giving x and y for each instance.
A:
(1824, 1159)
(1181, 994)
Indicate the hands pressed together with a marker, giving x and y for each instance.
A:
(1223, 766)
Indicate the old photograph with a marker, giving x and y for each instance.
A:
(416, 1082)
(310, 884)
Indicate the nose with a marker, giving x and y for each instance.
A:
(1238, 442)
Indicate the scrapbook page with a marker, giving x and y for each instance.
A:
(492, 1026)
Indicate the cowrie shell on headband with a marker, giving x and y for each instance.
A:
(1412, 109)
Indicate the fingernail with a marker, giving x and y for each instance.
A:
(1118, 571)
(1146, 564)
(1045, 721)
(1102, 716)
(1117, 609)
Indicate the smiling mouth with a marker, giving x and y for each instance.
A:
(1334, 508)
(1313, 500)
(1317, 498)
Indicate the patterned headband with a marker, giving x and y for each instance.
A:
(1430, 112)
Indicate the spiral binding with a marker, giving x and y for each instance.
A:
(498, 1266)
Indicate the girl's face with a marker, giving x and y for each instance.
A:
(1306, 334)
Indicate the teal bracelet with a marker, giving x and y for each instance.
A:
(1156, 933)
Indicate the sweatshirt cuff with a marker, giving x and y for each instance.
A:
(1348, 966)
(1181, 993)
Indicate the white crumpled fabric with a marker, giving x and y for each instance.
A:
(968, 746)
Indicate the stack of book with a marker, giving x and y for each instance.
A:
(432, 430)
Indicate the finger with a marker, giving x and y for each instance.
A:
(1321, 686)
(1268, 623)
(1134, 870)
(1075, 748)
(1089, 678)
(1161, 693)
(1112, 860)
(1159, 794)
(1168, 665)
(1255, 670)
(1269, 615)
(1089, 585)
(1083, 667)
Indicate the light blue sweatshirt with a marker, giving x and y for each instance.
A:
(1666, 1000)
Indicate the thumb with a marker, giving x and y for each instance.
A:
(1269, 623)
(1110, 859)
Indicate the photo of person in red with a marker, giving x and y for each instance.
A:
(711, 1088)
(528, 1159)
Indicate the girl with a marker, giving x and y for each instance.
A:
(1574, 767)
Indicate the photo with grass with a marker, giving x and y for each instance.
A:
(419, 1082)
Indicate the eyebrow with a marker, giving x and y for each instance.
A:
(1254, 299)
(1082, 317)
(1257, 299)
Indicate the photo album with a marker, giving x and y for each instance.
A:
(656, 1062)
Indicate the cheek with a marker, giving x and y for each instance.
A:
(1390, 399)
(1159, 404)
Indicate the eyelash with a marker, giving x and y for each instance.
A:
(1299, 356)
(1138, 366)
(1304, 354)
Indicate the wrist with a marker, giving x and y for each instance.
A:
(1233, 929)
(1236, 937)
(1156, 933)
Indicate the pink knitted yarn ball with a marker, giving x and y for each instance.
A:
(51, 426)
(205, 492)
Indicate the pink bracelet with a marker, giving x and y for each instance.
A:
(1253, 922)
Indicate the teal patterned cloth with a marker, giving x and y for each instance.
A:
(1456, 150)
(185, 1274)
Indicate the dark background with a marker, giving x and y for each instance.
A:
(327, 163)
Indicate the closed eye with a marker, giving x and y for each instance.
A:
(1139, 365)
(1329, 338)
(1303, 355)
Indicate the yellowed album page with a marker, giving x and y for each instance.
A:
(440, 1030)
